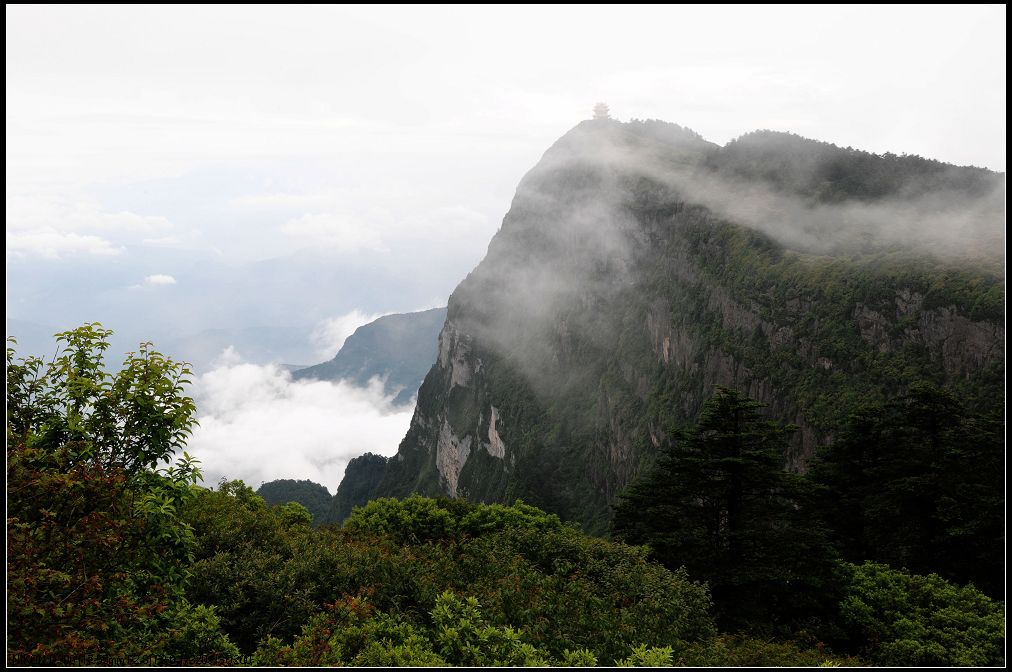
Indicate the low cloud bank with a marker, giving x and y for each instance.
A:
(257, 424)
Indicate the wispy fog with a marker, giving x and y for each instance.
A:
(950, 212)
(945, 221)
(257, 424)
(329, 335)
(577, 228)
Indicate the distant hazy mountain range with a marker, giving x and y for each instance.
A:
(399, 349)
(256, 345)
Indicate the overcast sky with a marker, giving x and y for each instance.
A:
(200, 175)
(337, 113)
(318, 123)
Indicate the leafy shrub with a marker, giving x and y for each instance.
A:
(97, 552)
(737, 651)
(574, 598)
(196, 637)
(564, 590)
(256, 564)
(351, 632)
(900, 618)
(464, 637)
(642, 656)
(410, 521)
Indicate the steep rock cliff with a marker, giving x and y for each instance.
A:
(640, 266)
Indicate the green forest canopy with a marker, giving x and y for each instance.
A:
(117, 556)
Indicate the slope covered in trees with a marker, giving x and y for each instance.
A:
(362, 477)
(315, 497)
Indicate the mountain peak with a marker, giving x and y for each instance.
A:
(640, 267)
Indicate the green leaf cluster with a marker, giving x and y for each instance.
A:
(908, 619)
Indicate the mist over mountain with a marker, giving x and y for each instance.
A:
(398, 349)
(640, 266)
(335, 340)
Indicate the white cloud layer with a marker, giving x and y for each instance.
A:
(56, 226)
(159, 279)
(48, 243)
(258, 425)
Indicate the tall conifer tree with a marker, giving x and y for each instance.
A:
(719, 502)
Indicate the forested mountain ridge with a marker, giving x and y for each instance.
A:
(399, 349)
(640, 267)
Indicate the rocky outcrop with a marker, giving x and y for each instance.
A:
(962, 346)
(452, 452)
(495, 445)
(454, 355)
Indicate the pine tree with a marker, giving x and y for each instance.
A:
(719, 502)
(917, 482)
